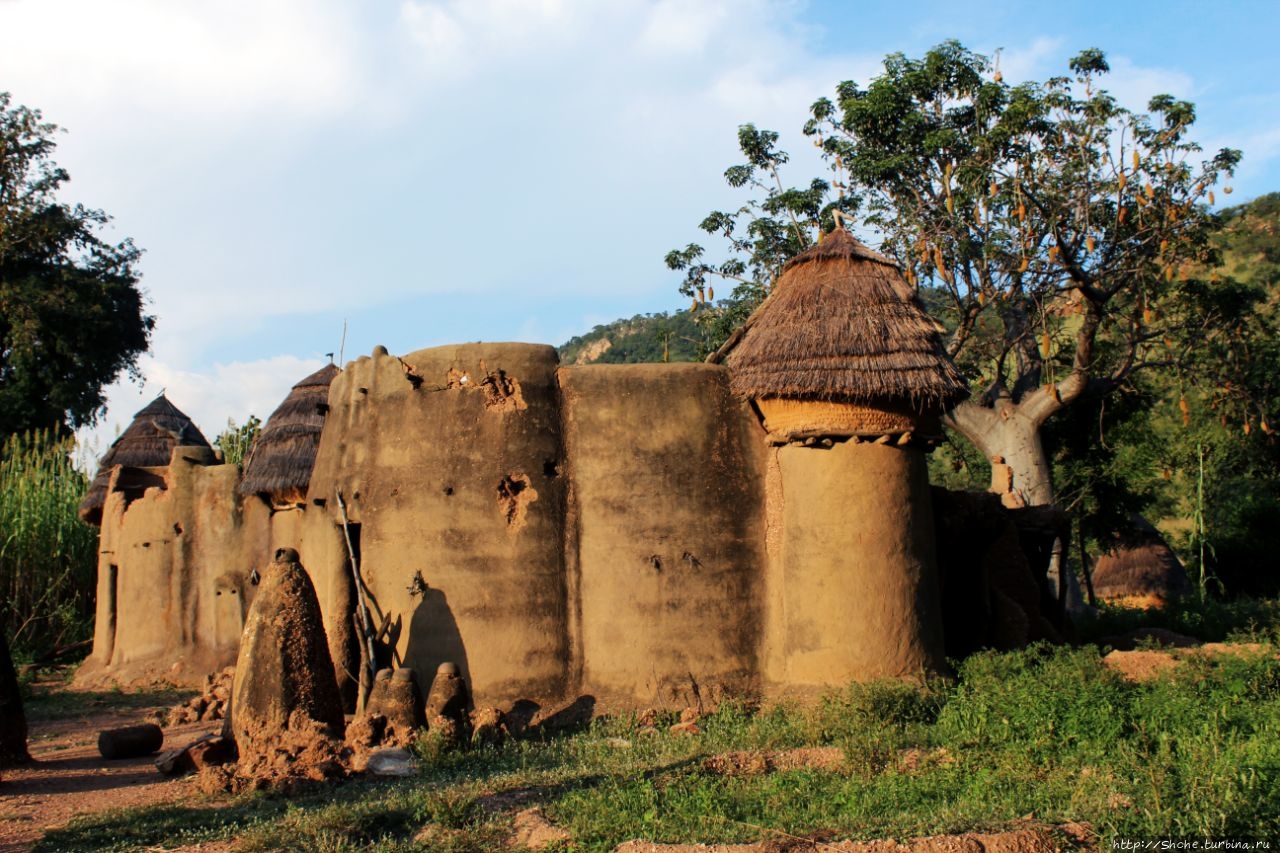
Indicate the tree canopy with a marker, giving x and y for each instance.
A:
(72, 315)
(1062, 238)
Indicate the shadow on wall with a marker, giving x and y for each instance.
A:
(434, 639)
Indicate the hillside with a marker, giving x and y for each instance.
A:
(643, 338)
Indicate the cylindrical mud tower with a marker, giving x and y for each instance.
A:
(850, 378)
(449, 464)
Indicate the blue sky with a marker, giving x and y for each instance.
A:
(436, 171)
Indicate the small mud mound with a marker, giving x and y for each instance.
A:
(286, 712)
(1039, 840)
(1141, 665)
(212, 703)
(1149, 664)
(534, 832)
(302, 754)
(828, 759)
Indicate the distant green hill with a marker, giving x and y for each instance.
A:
(643, 338)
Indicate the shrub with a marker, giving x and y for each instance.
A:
(48, 557)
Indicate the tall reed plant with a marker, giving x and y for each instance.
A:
(48, 556)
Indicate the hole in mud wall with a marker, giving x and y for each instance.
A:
(113, 593)
(514, 496)
(550, 469)
(177, 528)
(456, 379)
(448, 491)
(502, 392)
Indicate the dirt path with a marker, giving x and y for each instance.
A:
(70, 778)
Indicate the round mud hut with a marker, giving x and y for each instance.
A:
(850, 378)
(1141, 571)
(278, 467)
(148, 443)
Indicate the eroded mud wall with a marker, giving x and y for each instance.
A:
(450, 464)
(173, 571)
(856, 597)
(666, 512)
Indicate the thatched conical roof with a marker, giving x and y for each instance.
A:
(279, 464)
(1141, 570)
(842, 324)
(148, 442)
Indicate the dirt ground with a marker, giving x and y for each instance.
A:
(70, 778)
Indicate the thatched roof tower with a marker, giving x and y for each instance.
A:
(279, 465)
(843, 333)
(148, 443)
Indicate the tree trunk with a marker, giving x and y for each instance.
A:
(1009, 433)
(13, 722)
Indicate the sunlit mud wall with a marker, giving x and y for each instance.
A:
(554, 531)
(174, 570)
(620, 532)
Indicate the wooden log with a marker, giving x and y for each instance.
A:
(130, 741)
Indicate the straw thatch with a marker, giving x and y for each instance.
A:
(1141, 570)
(148, 443)
(843, 325)
(279, 465)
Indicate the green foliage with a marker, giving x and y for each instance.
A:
(762, 235)
(71, 313)
(48, 557)
(1061, 238)
(1193, 449)
(1209, 619)
(237, 439)
(645, 338)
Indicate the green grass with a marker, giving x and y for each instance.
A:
(1208, 619)
(1047, 732)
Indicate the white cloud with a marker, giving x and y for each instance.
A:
(1134, 86)
(458, 37)
(289, 163)
(676, 27)
(187, 61)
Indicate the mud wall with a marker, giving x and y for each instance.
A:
(856, 595)
(173, 573)
(624, 533)
(449, 461)
(556, 532)
(665, 511)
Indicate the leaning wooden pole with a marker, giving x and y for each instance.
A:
(364, 623)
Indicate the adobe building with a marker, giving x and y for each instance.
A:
(850, 379)
(643, 535)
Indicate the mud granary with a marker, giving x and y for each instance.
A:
(638, 534)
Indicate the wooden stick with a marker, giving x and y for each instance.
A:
(364, 623)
